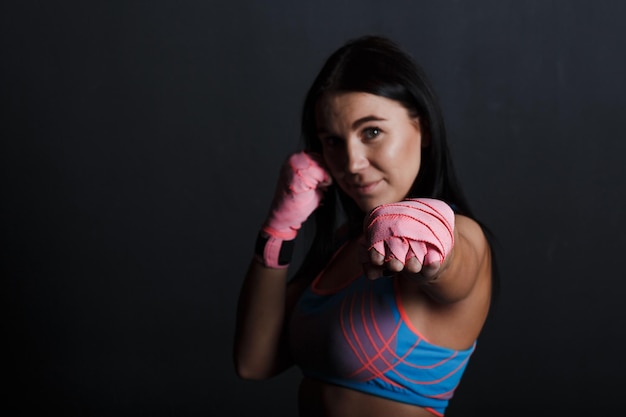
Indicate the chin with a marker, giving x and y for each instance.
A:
(368, 205)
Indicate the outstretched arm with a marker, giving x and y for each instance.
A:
(422, 238)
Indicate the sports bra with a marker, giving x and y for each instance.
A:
(358, 336)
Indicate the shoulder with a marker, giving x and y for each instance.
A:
(472, 234)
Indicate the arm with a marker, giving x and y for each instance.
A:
(266, 299)
(423, 239)
(260, 349)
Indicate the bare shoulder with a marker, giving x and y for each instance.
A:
(472, 233)
(471, 263)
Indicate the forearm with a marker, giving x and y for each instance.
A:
(259, 351)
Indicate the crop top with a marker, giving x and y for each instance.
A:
(358, 336)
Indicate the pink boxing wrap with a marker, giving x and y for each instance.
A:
(299, 191)
(420, 227)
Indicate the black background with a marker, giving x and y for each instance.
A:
(141, 142)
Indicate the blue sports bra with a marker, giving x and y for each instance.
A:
(359, 337)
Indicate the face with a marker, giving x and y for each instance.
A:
(371, 146)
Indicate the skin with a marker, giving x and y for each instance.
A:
(372, 149)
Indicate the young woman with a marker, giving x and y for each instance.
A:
(384, 313)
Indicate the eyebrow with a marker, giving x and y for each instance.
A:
(359, 122)
(367, 119)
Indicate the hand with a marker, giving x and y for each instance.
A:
(299, 192)
(413, 235)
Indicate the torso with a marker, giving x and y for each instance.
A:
(319, 399)
(438, 324)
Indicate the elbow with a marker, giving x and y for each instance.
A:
(250, 372)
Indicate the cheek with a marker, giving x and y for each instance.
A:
(404, 160)
(401, 153)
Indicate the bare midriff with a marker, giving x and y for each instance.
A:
(319, 399)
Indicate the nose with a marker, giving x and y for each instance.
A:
(356, 157)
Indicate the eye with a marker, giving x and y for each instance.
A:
(371, 132)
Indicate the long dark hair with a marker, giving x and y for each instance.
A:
(377, 65)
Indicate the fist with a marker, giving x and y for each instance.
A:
(300, 189)
(413, 235)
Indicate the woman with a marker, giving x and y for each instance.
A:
(385, 311)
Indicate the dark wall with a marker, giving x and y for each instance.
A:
(140, 146)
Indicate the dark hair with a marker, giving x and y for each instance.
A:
(377, 65)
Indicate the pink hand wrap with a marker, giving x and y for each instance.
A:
(299, 191)
(421, 227)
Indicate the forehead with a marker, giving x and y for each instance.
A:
(351, 106)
